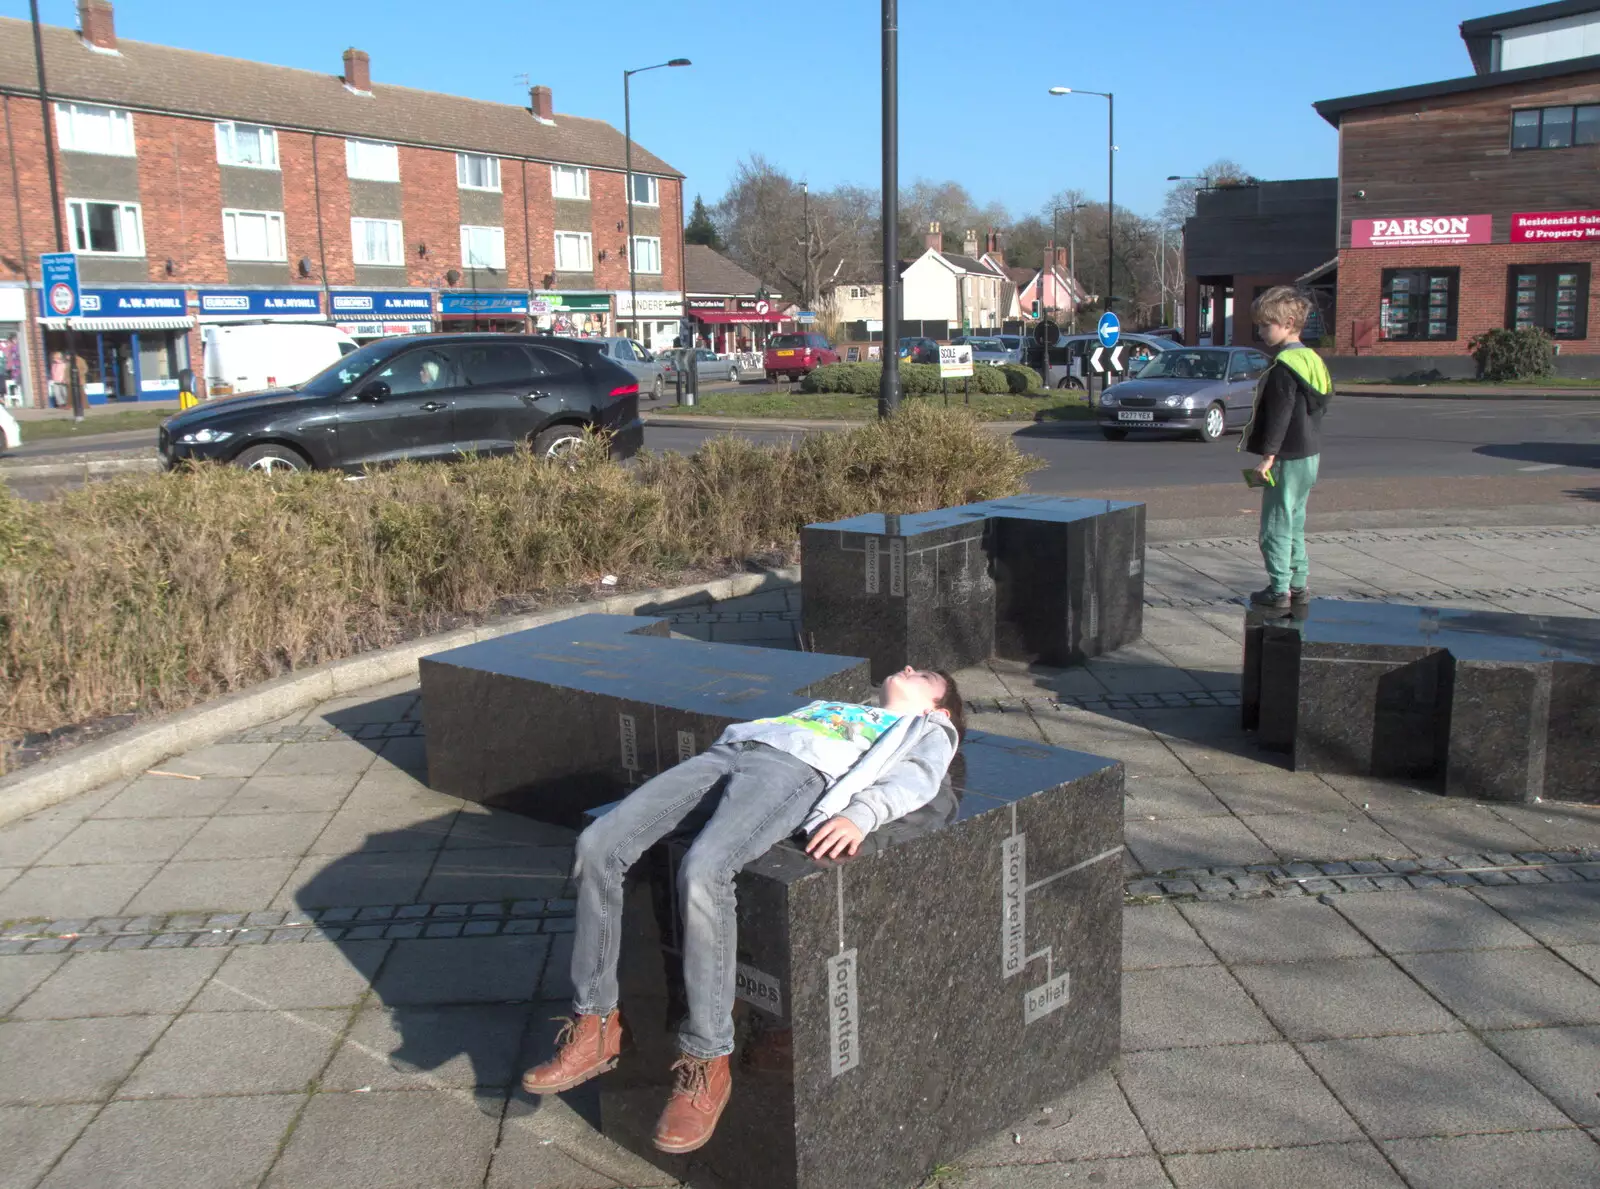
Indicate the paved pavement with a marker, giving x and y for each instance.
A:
(281, 960)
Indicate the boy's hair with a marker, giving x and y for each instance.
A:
(950, 702)
(1283, 305)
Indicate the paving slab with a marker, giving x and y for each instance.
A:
(1436, 919)
(22, 842)
(1381, 793)
(208, 1143)
(170, 796)
(1273, 1097)
(335, 758)
(1195, 842)
(21, 973)
(372, 830)
(1507, 988)
(290, 794)
(498, 873)
(430, 1048)
(462, 970)
(51, 1061)
(95, 891)
(1275, 792)
(1266, 931)
(120, 983)
(1093, 1121)
(1188, 1006)
(1558, 914)
(1133, 1172)
(138, 840)
(1322, 1000)
(221, 759)
(1564, 1063)
(243, 1052)
(1162, 797)
(312, 974)
(31, 1137)
(1454, 830)
(1544, 1158)
(1442, 1084)
(1554, 823)
(362, 708)
(255, 836)
(476, 827)
(195, 885)
(1156, 936)
(549, 1144)
(355, 880)
(1585, 957)
(1349, 1166)
(1344, 834)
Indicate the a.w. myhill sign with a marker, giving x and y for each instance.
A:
(1408, 232)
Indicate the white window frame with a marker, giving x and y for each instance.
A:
(585, 245)
(354, 147)
(230, 233)
(651, 246)
(580, 179)
(497, 248)
(227, 145)
(394, 238)
(652, 188)
(493, 170)
(69, 133)
(78, 217)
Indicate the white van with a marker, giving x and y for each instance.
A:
(253, 356)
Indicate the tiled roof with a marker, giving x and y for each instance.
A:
(706, 270)
(149, 77)
(1021, 276)
(968, 264)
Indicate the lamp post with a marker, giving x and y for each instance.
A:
(627, 166)
(805, 219)
(889, 385)
(1111, 185)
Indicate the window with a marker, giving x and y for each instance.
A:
(377, 241)
(474, 171)
(573, 252)
(247, 144)
(1555, 127)
(569, 181)
(483, 247)
(646, 253)
(105, 228)
(372, 160)
(1248, 365)
(428, 370)
(84, 128)
(495, 365)
(553, 363)
(1419, 304)
(252, 235)
(1552, 296)
(860, 291)
(646, 190)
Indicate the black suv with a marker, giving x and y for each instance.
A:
(420, 397)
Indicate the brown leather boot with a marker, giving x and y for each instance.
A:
(697, 1101)
(585, 1047)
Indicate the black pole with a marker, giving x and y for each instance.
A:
(55, 205)
(1111, 200)
(889, 385)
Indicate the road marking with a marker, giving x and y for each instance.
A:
(1545, 466)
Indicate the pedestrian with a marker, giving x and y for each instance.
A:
(58, 380)
(834, 770)
(1286, 430)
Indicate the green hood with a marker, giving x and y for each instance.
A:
(1308, 365)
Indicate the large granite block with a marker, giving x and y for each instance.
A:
(1033, 578)
(1483, 704)
(898, 1007)
(555, 720)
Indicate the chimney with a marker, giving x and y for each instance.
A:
(358, 71)
(933, 238)
(994, 249)
(969, 243)
(543, 104)
(96, 24)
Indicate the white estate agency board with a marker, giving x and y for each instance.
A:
(955, 362)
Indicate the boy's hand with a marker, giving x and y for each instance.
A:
(1264, 467)
(835, 837)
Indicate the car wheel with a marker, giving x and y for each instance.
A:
(733, 375)
(1069, 382)
(1213, 426)
(658, 388)
(272, 460)
(1114, 435)
(558, 442)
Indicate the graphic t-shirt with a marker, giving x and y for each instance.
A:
(846, 722)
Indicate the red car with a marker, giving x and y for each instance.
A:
(790, 356)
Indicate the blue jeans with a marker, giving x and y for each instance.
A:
(765, 795)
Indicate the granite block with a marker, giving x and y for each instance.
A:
(1498, 717)
(1572, 754)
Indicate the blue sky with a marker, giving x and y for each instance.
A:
(1195, 79)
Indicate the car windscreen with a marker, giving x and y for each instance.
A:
(1187, 365)
(787, 341)
(337, 377)
(986, 344)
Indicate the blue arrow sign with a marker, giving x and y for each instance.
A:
(62, 298)
(1108, 328)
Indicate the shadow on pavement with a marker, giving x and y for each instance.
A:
(1566, 454)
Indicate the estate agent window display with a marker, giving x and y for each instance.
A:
(1419, 304)
(1554, 297)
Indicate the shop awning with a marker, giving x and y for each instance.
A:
(93, 325)
(741, 316)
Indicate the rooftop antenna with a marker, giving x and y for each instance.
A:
(525, 80)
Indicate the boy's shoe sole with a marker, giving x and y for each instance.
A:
(573, 1082)
(1303, 595)
(1264, 598)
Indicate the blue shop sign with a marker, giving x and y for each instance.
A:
(378, 303)
(483, 303)
(128, 303)
(260, 303)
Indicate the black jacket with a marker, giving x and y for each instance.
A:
(1290, 402)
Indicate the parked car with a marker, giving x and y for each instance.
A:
(1069, 358)
(420, 397)
(1165, 332)
(708, 365)
(1205, 391)
(992, 350)
(256, 356)
(645, 367)
(919, 350)
(790, 356)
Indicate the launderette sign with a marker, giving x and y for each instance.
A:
(1421, 231)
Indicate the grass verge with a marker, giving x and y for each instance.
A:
(66, 427)
(153, 592)
(844, 406)
(1479, 385)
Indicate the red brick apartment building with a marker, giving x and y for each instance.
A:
(1474, 203)
(199, 189)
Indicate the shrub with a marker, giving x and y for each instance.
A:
(1021, 379)
(1522, 354)
(916, 379)
(152, 592)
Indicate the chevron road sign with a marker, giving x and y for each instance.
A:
(1114, 361)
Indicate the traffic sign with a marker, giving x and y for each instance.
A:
(1108, 328)
(1114, 364)
(1046, 333)
(763, 306)
(61, 294)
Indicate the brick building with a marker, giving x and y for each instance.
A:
(1474, 203)
(200, 189)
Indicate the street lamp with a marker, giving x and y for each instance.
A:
(627, 165)
(889, 382)
(805, 218)
(1111, 185)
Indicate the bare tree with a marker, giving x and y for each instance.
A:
(1180, 199)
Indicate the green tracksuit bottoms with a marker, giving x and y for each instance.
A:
(1283, 522)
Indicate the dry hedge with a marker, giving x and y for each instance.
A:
(155, 592)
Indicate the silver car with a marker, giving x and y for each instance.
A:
(645, 366)
(1204, 391)
(708, 365)
(993, 350)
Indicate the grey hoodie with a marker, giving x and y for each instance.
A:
(900, 772)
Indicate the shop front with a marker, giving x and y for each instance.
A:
(505, 312)
(654, 325)
(259, 305)
(130, 343)
(575, 315)
(740, 330)
(368, 314)
(16, 383)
